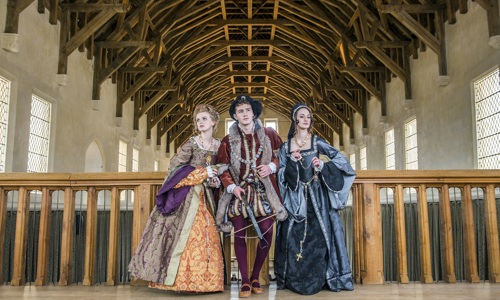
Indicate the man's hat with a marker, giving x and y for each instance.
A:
(242, 99)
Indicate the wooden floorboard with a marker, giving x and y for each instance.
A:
(416, 291)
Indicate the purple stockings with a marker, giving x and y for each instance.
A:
(240, 246)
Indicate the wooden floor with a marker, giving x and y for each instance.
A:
(416, 291)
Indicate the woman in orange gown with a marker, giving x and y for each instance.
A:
(180, 248)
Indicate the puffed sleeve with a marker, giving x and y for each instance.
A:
(276, 143)
(288, 174)
(337, 174)
(182, 158)
(223, 159)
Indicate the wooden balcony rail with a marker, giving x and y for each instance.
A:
(368, 252)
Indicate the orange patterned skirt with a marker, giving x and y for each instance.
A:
(201, 267)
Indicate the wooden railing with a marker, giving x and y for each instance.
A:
(368, 229)
(368, 265)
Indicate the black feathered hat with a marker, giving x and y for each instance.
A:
(244, 99)
(293, 118)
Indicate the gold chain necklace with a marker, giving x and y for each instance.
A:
(303, 142)
(203, 145)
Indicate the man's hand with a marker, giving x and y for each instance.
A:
(238, 192)
(264, 170)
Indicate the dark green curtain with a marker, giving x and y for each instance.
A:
(413, 241)
(78, 256)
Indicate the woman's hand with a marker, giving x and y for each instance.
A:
(316, 162)
(296, 154)
(214, 170)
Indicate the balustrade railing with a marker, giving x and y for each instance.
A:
(65, 228)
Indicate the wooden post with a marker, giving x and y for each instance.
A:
(358, 232)
(142, 209)
(226, 248)
(470, 250)
(114, 228)
(42, 266)
(90, 237)
(3, 223)
(490, 215)
(67, 237)
(399, 223)
(425, 243)
(372, 236)
(447, 236)
(20, 244)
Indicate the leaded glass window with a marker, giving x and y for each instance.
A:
(4, 119)
(487, 103)
(39, 138)
(362, 158)
(122, 157)
(390, 153)
(135, 160)
(411, 146)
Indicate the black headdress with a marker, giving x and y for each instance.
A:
(256, 105)
(293, 117)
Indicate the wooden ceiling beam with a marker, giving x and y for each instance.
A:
(337, 53)
(14, 8)
(173, 123)
(165, 112)
(246, 43)
(180, 127)
(124, 44)
(416, 28)
(115, 64)
(250, 73)
(92, 7)
(143, 69)
(411, 8)
(90, 28)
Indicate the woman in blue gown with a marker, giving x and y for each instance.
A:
(310, 251)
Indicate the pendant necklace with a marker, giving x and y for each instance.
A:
(208, 159)
(299, 255)
(203, 145)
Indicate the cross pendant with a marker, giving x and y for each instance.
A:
(299, 256)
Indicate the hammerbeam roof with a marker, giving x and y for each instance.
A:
(167, 56)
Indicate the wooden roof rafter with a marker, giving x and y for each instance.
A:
(165, 54)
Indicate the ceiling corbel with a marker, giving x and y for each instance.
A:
(492, 8)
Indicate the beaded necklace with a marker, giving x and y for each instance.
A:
(203, 145)
(303, 142)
